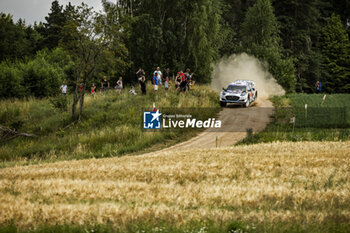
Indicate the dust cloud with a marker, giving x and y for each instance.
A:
(244, 66)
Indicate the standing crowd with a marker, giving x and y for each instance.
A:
(182, 82)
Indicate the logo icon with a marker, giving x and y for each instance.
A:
(151, 120)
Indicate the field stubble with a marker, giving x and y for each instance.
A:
(304, 182)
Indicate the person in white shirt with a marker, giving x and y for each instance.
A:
(160, 75)
(132, 91)
(119, 85)
(63, 89)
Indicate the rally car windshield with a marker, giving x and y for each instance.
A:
(236, 88)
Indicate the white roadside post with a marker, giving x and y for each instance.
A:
(305, 110)
(324, 98)
(292, 121)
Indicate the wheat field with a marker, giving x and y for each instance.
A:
(306, 181)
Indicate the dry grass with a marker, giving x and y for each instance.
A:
(265, 182)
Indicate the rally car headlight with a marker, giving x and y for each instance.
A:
(243, 93)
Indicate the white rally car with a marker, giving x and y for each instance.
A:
(240, 92)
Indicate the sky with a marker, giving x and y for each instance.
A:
(36, 10)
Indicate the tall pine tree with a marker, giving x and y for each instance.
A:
(55, 21)
(335, 47)
(300, 29)
(203, 37)
(17, 40)
(260, 37)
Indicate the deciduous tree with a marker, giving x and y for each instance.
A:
(85, 41)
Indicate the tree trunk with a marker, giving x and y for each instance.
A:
(75, 98)
(81, 103)
(131, 10)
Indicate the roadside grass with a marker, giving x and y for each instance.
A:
(320, 120)
(111, 125)
(192, 227)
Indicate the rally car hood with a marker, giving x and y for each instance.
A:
(233, 92)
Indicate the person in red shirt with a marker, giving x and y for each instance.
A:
(181, 75)
(93, 89)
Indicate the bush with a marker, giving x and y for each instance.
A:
(60, 60)
(11, 79)
(41, 78)
(60, 102)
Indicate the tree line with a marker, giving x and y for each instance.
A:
(298, 41)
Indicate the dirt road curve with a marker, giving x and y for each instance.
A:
(235, 121)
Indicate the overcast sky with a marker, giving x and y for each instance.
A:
(36, 10)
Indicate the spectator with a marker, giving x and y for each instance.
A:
(63, 88)
(143, 85)
(80, 88)
(119, 85)
(318, 86)
(184, 85)
(105, 84)
(93, 89)
(155, 82)
(139, 74)
(178, 80)
(187, 73)
(190, 81)
(157, 71)
(166, 78)
(181, 75)
(132, 91)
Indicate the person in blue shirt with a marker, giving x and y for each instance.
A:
(159, 75)
(318, 86)
(155, 82)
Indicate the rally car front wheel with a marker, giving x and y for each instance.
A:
(222, 104)
(246, 104)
